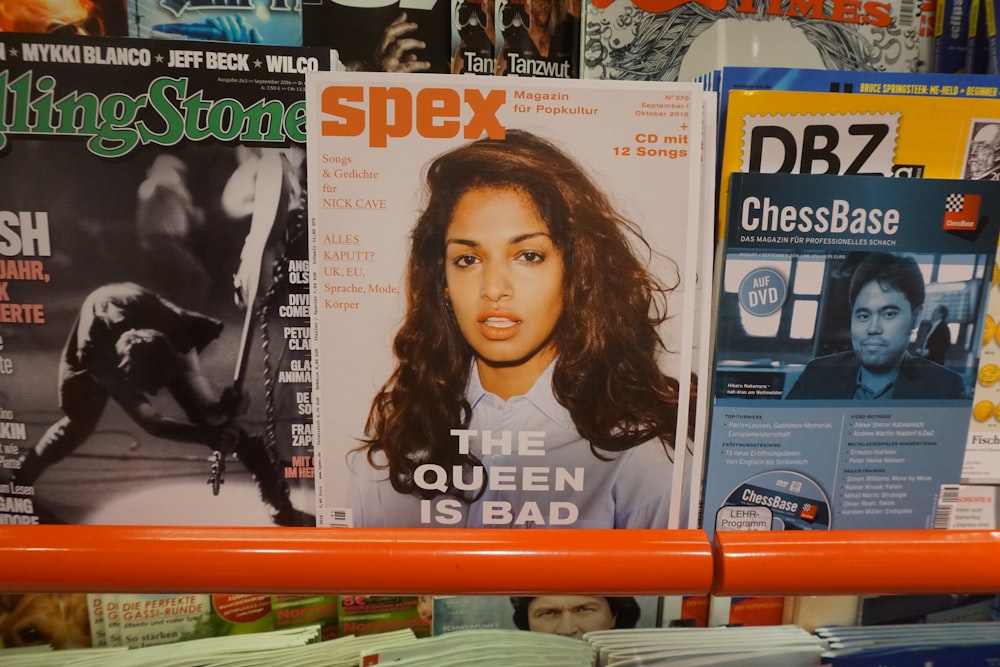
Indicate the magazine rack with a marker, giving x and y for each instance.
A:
(331, 560)
(856, 562)
(415, 561)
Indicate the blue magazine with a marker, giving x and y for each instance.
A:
(276, 22)
(825, 411)
(951, 36)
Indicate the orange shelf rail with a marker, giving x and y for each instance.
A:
(126, 559)
(855, 562)
(123, 559)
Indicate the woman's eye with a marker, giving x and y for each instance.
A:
(532, 256)
(464, 260)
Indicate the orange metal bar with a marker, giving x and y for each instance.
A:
(854, 562)
(124, 559)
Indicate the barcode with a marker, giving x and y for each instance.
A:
(949, 493)
(947, 501)
(942, 517)
(907, 12)
(340, 517)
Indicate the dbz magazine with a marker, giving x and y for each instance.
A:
(154, 316)
(503, 303)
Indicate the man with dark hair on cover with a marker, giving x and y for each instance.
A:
(574, 615)
(886, 296)
(127, 344)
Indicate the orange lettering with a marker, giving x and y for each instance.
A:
(434, 103)
(484, 114)
(812, 9)
(660, 6)
(353, 124)
(436, 113)
(378, 112)
(846, 11)
(879, 14)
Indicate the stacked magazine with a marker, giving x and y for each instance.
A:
(919, 645)
(155, 282)
(480, 648)
(825, 413)
(900, 136)
(785, 645)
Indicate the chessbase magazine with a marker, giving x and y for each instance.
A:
(504, 300)
(828, 412)
(154, 316)
(894, 135)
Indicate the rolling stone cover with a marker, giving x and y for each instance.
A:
(831, 408)
(455, 374)
(154, 315)
(375, 35)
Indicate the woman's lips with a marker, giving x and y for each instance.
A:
(499, 326)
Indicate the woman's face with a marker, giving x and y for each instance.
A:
(504, 279)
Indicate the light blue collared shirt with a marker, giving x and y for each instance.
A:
(538, 472)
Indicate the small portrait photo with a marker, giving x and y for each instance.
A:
(982, 154)
(865, 325)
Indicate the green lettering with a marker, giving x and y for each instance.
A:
(21, 87)
(112, 125)
(173, 120)
(295, 122)
(225, 119)
(265, 116)
(43, 105)
(78, 114)
(193, 108)
(116, 136)
(3, 110)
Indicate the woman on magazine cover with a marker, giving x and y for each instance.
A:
(532, 321)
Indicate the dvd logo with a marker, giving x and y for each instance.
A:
(435, 113)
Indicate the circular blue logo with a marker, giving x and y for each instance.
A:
(762, 292)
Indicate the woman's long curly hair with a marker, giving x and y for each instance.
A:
(606, 372)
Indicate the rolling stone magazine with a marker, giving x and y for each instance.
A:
(154, 318)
